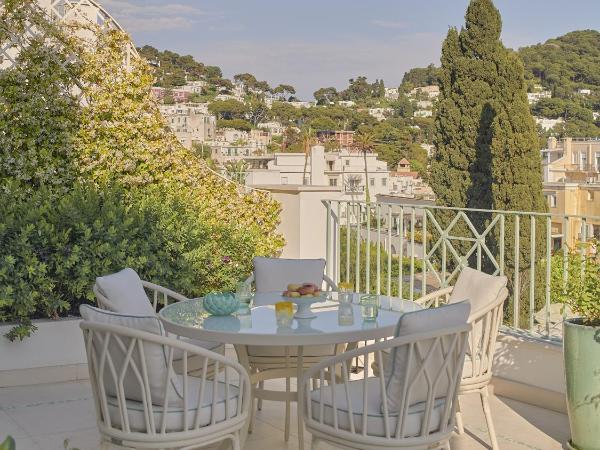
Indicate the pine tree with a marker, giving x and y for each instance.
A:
(487, 153)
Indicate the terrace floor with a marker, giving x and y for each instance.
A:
(42, 417)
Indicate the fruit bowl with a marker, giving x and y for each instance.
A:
(303, 296)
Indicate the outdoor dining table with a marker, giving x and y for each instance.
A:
(258, 326)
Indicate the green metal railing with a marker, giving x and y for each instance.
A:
(407, 250)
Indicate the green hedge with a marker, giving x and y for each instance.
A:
(52, 248)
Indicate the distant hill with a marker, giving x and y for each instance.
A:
(173, 69)
(566, 63)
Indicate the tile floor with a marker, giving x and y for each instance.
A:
(59, 416)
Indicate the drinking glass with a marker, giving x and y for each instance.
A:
(243, 292)
(345, 314)
(284, 313)
(369, 307)
(345, 292)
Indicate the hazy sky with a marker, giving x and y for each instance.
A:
(318, 43)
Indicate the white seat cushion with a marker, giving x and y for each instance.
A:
(155, 355)
(478, 288)
(124, 290)
(396, 373)
(274, 274)
(375, 419)
(176, 413)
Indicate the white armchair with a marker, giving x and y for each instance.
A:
(411, 404)
(140, 401)
(486, 294)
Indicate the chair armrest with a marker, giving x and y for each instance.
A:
(435, 298)
(250, 279)
(329, 283)
(166, 294)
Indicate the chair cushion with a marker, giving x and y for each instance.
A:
(124, 290)
(478, 288)
(404, 365)
(274, 274)
(155, 356)
(375, 418)
(175, 413)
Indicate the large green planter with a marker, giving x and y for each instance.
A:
(582, 370)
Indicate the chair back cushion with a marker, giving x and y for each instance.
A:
(405, 365)
(478, 288)
(155, 357)
(124, 290)
(274, 274)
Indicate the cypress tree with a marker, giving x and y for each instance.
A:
(487, 153)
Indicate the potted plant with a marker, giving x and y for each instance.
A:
(581, 342)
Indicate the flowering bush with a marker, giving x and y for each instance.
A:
(92, 180)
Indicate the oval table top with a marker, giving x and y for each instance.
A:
(331, 325)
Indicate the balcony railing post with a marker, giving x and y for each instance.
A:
(328, 245)
(516, 287)
(532, 274)
(357, 268)
(401, 248)
(548, 271)
(389, 247)
(338, 238)
(348, 232)
(368, 250)
(423, 261)
(412, 254)
(378, 212)
(501, 256)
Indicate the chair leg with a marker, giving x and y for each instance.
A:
(287, 410)
(314, 443)
(488, 417)
(235, 441)
(261, 385)
(252, 415)
(459, 419)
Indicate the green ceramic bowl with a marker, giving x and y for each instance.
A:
(221, 303)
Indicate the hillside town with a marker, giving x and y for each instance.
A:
(257, 157)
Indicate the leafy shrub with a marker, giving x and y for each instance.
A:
(580, 288)
(53, 248)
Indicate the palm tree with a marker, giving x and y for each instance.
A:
(365, 142)
(308, 139)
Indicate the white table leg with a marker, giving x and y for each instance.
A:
(242, 354)
(299, 399)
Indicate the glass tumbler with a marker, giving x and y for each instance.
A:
(369, 307)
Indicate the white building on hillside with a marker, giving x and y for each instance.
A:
(381, 113)
(275, 128)
(423, 113)
(534, 97)
(344, 169)
(406, 183)
(190, 124)
(431, 91)
(391, 93)
(548, 124)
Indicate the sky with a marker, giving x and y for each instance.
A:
(318, 43)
